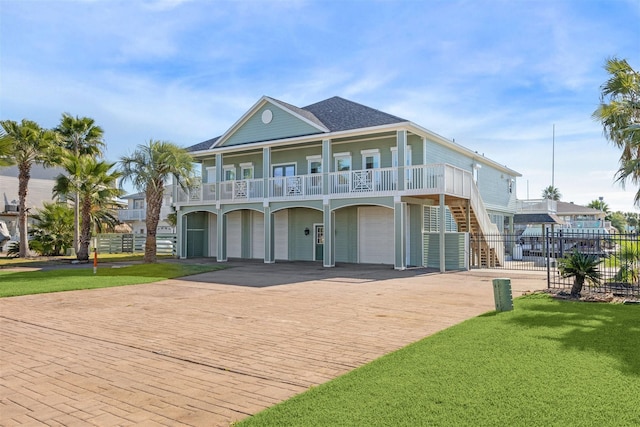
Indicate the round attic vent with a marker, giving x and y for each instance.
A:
(267, 116)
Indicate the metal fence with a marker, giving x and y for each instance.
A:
(618, 255)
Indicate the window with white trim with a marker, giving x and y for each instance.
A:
(211, 174)
(370, 159)
(407, 156)
(229, 172)
(246, 170)
(314, 164)
(342, 162)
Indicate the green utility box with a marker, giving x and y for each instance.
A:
(502, 294)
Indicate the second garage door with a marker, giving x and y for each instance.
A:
(376, 242)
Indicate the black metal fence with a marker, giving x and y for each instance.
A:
(618, 255)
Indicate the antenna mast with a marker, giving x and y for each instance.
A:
(553, 157)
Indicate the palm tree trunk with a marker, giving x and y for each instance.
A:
(76, 224)
(576, 289)
(24, 174)
(154, 202)
(85, 230)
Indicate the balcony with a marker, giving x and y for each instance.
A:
(418, 180)
(140, 214)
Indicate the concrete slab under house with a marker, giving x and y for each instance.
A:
(337, 181)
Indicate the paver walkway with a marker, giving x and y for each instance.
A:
(206, 350)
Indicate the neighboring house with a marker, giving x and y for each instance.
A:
(337, 181)
(135, 213)
(40, 190)
(534, 215)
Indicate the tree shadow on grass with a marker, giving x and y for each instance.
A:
(608, 329)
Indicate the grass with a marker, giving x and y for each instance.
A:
(547, 363)
(6, 262)
(36, 282)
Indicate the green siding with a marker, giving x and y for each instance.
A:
(415, 142)
(346, 235)
(355, 148)
(299, 157)
(283, 125)
(415, 235)
(301, 246)
(255, 158)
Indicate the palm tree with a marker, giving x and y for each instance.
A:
(600, 205)
(29, 144)
(148, 169)
(93, 183)
(79, 136)
(551, 193)
(52, 233)
(6, 148)
(581, 267)
(619, 114)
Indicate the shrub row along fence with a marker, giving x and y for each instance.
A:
(116, 243)
(619, 256)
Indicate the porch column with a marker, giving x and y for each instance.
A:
(328, 217)
(401, 141)
(400, 232)
(269, 248)
(222, 237)
(181, 249)
(218, 175)
(266, 172)
(442, 229)
(326, 165)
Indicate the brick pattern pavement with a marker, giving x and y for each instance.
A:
(204, 352)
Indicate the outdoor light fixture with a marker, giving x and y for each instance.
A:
(306, 231)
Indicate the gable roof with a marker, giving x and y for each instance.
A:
(331, 115)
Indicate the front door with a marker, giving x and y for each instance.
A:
(318, 242)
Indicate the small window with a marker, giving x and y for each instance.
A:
(314, 164)
(246, 170)
(343, 161)
(229, 172)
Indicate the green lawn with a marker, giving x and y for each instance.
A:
(36, 282)
(547, 363)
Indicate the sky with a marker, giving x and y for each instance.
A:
(496, 76)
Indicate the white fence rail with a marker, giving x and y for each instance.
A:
(117, 243)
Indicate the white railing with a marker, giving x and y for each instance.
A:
(295, 187)
(420, 179)
(484, 222)
(140, 214)
(369, 181)
(537, 206)
(245, 189)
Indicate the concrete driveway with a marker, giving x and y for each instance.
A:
(217, 347)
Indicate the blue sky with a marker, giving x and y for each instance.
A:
(494, 75)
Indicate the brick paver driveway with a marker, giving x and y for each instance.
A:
(216, 347)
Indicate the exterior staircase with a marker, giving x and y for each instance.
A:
(487, 247)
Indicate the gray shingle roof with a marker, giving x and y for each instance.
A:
(339, 114)
(336, 114)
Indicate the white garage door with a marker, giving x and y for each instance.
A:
(376, 242)
(213, 235)
(257, 235)
(234, 234)
(281, 234)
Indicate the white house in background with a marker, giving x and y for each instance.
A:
(534, 215)
(40, 190)
(337, 181)
(136, 211)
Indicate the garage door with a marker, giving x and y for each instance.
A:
(281, 234)
(257, 235)
(376, 243)
(234, 234)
